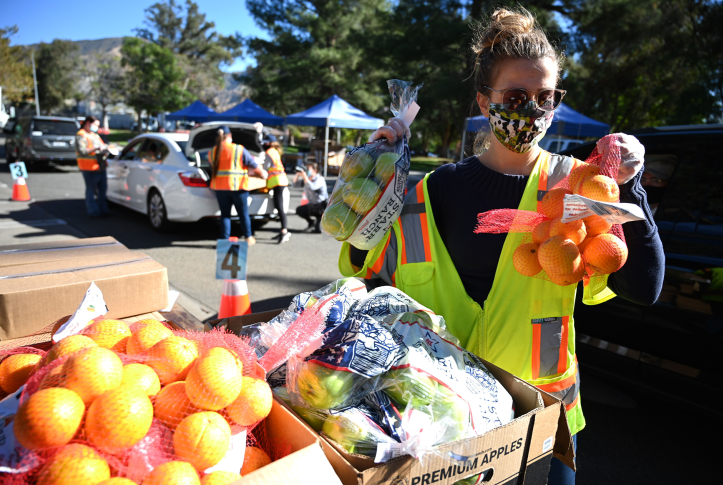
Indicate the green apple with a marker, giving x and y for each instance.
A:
(324, 388)
(384, 168)
(349, 434)
(339, 221)
(410, 387)
(313, 418)
(361, 195)
(356, 165)
(448, 406)
(469, 480)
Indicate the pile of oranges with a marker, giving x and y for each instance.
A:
(100, 392)
(568, 250)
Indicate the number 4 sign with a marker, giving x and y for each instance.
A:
(18, 170)
(231, 259)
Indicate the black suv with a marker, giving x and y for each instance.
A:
(673, 346)
(41, 139)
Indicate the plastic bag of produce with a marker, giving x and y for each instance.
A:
(369, 194)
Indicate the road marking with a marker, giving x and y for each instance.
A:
(38, 223)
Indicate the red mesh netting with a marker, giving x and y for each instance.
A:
(141, 401)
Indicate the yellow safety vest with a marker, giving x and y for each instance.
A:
(277, 173)
(527, 324)
(232, 173)
(87, 163)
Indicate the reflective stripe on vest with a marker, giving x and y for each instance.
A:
(559, 167)
(231, 173)
(413, 227)
(566, 390)
(549, 357)
(277, 173)
(86, 163)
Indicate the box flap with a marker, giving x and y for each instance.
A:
(307, 466)
(58, 250)
(563, 449)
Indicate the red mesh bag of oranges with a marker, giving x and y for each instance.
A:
(572, 235)
(140, 403)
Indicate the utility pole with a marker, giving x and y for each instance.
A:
(35, 82)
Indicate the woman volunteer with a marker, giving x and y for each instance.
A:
(229, 181)
(521, 324)
(277, 181)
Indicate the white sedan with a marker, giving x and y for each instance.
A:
(166, 176)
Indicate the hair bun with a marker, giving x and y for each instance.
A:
(504, 25)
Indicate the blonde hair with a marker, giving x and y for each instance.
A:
(509, 34)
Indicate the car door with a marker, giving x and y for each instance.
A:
(143, 171)
(683, 331)
(118, 170)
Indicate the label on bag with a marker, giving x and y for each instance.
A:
(92, 306)
(234, 458)
(578, 207)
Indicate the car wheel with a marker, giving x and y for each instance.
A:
(157, 212)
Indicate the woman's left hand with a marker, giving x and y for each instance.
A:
(632, 156)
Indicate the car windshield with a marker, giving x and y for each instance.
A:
(55, 127)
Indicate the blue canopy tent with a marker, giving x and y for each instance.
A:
(196, 111)
(335, 113)
(566, 121)
(249, 112)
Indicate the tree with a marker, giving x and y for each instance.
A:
(106, 81)
(201, 51)
(16, 77)
(317, 48)
(56, 69)
(153, 79)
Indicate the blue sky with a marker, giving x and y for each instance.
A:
(45, 20)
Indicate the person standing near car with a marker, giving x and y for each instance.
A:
(522, 324)
(277, 181)
(89, 150)
(316, 193)
(231, 165)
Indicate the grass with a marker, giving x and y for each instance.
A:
(120, 137)
(427, 164)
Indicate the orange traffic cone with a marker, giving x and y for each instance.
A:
(304, 199)
(234, 297)
(20, 190)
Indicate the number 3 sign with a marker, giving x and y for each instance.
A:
(18, 170)
(231, 259)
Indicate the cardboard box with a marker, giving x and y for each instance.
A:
(256, 183)
(519, 452)
(44, 280)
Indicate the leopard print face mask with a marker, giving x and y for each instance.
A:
(521, 130)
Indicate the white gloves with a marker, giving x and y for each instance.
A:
(632, 155)
(393, 129)
(259, 127)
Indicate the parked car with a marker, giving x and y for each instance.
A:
(38, 140)
(554, 144)
(672, 347)
(166, 176)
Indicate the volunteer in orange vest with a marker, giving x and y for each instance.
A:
(231, 165)
(277, 181)
(523, 324)
(89, 149)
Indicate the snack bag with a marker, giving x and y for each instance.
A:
(369, 194)
(576, 232)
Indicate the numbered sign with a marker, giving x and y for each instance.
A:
(231, 259)
(18, 170)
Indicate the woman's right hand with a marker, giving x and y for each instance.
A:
(394, 129)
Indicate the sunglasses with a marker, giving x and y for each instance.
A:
(516, 99)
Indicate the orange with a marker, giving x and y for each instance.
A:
(118, 481)
(525, 261)
(580, 173)
(568, 279)
(202, 439)
(596, 225)
(605, 254)
(541, 233)
(600, 188)
(215, 379)
(109, 334)
(551, 204)
(119, 419)
(582, 245)
(172, 404)
(559, 256)
(149, 333)
(253, 403)
(220, 478)
(15, 371)
(54, 378)
(254, 458)
(172, 358)
(74, 465)
(91, 372)
(172, 473)
(142, 376)
(49, 418)
(68, 345)
(574, 231)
